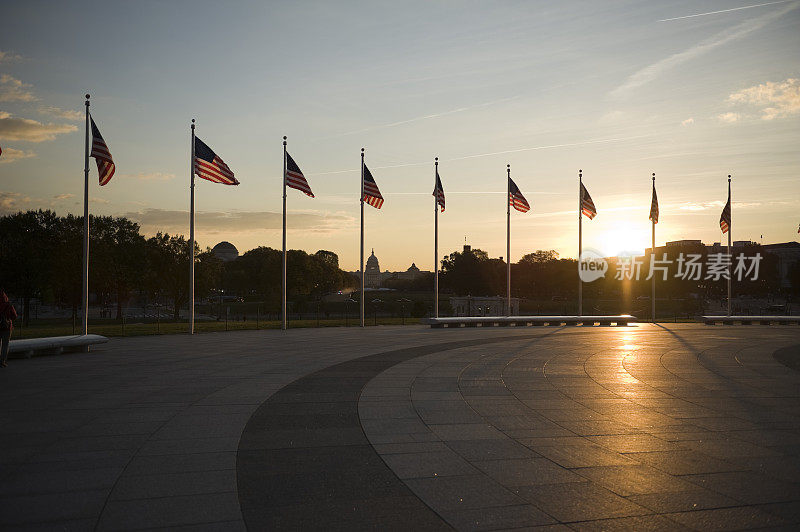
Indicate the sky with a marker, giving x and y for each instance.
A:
(690, 90)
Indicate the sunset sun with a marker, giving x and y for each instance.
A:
(624, 240)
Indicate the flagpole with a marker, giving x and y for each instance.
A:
(653, 255)
(580, 242)
(362, 237)
(730, 230)
(508, 240)
(191, 237)
(284, 324)
(436, 241)
(85, 272)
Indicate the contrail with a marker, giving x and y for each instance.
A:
(651, 72)
(419, 118)
(532, 148)
(723, 11)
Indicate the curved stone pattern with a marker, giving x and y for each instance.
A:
(789, 356)
(640, 429)
(304, 461)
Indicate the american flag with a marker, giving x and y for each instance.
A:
(371, 193)
(725, 217)
(654, 207)
(438, 191)
(515, 197)
(587, 205)
(208, 165)
(105, 165)
(295, 178)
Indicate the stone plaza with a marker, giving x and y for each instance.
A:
(645, 427)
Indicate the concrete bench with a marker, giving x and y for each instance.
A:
(53, 345)
(529, 321)
(751, 320)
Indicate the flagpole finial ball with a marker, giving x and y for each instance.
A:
(436, 159)
(88, 96)
(284, 137)
(192, 120)
(362, 150)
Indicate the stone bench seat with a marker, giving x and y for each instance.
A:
(528, 321)
(751, 320)
(54, 345)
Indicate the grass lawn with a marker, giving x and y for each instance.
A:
(114, 328)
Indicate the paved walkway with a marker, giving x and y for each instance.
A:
(409, 428)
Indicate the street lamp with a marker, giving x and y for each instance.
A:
(347, 310)
(375, 309)
(403, 302)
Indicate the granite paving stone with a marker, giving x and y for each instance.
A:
(632, 428)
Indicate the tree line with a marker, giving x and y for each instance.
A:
(544, 275)
(41, 258)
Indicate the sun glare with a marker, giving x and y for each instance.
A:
(624, 241)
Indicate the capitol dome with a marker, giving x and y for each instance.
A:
(372, 262)
(225, 251)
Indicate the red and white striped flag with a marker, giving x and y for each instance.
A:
(515, 197)
(102, 156)
(371, 193)
(208, 165)
(654, 206)
(587, 205)
(295, 178)
(438, 191)
(725, 217)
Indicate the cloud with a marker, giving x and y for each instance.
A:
(66, 114)
(688, 122)
(775, 99)
(12, 202)
(150, 176)
(701, 206)
(714, 205)
(651, 72)
(60, 197)
(232, 223)
(8, 57)
(13, 90)
(729, 118)
(10, 155)
(30, 130)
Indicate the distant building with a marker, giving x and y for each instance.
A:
(374, 278)
(410, 274)
(482, 306)
(225, 251)
(788, 254)
(372, 272)
(683, 243)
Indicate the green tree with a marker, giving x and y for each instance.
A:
(117, 254)
(168, 272)
(27, 245)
